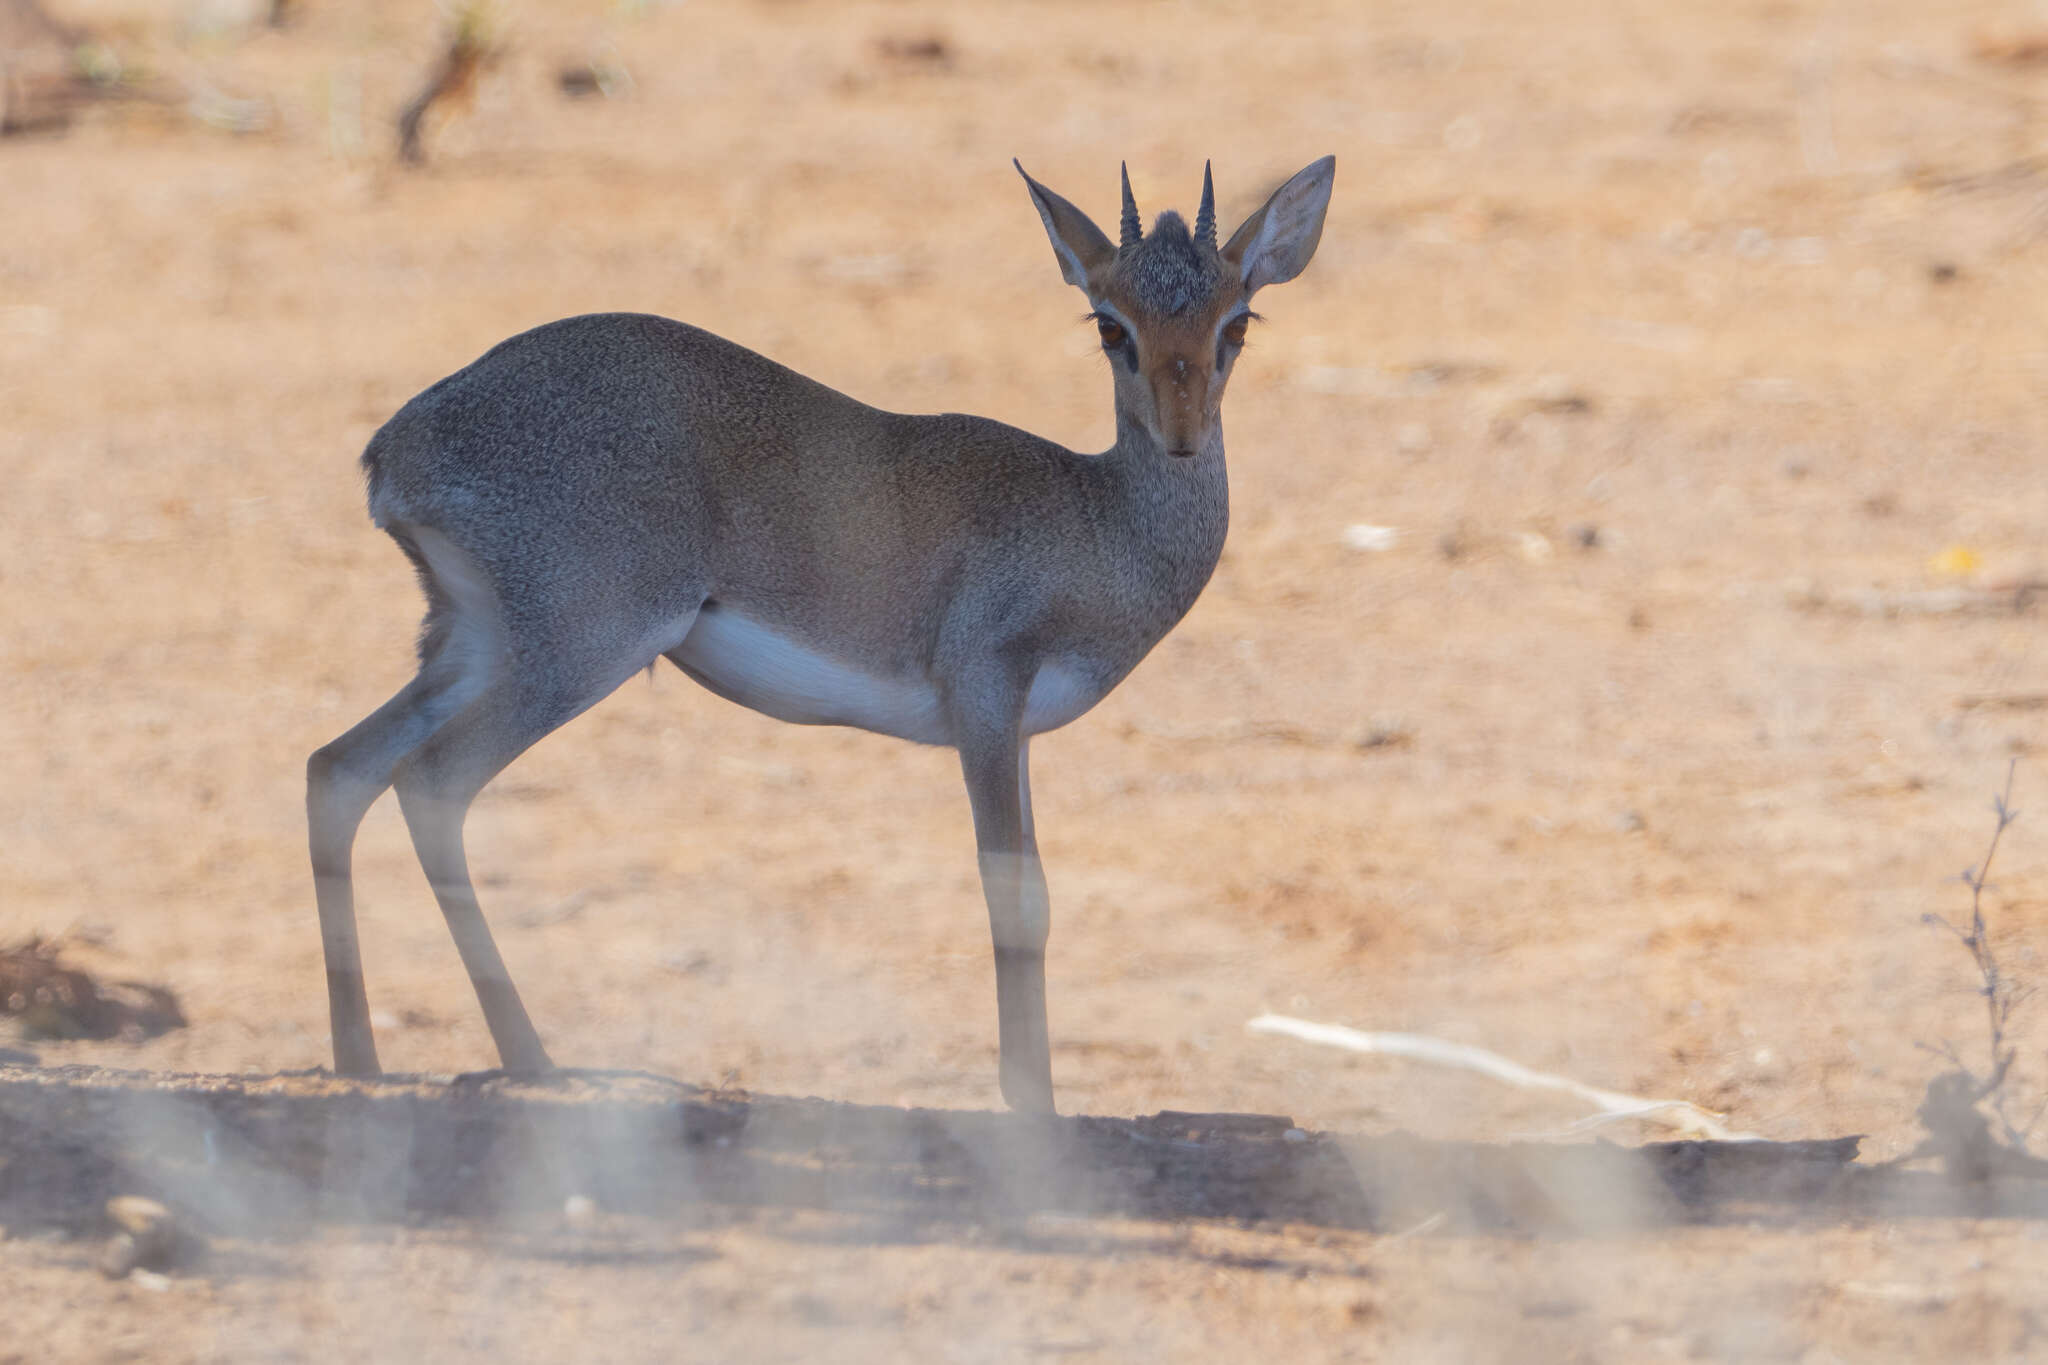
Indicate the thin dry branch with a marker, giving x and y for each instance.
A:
(1612, 1105)
(453, 78)
(2002, 995)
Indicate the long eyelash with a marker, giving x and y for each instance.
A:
(1249, 316)
(1098, 317)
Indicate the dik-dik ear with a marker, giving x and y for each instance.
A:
(1076, 240)
(1275, 244)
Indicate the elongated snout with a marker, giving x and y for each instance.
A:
(1181, 405)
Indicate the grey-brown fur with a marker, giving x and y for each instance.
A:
(606, 490)
(1168, 272)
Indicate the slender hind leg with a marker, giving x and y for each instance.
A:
(435, 788)
(343, 779)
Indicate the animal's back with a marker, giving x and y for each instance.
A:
(617, 407)
(633, 461)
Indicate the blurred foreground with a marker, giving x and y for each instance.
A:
(1632, 600)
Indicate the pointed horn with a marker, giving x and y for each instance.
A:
(1132, 231)
(1205, 218)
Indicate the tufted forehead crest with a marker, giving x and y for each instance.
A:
(1169, 271)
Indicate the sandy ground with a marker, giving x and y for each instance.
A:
(1690, 352)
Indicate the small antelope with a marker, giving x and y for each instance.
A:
(606, 491)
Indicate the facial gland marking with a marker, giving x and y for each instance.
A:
(1117, 340)
(1231, 339)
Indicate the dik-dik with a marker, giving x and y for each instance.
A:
(606, 491)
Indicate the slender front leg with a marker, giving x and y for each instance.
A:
(1019, 913)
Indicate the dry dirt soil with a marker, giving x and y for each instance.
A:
(1688, 358)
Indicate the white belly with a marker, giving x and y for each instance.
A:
(1059, 693)
(770, 672)
(758, 667)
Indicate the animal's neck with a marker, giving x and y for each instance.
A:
(1175, 509)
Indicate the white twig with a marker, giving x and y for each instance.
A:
(1682, 1115)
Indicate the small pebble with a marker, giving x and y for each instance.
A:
(1364, 536)
(148, 1235)
(1383, 732)
(119, 1257)
(137, 1214)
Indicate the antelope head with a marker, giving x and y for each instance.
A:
(1172, 306)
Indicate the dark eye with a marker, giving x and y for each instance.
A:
(1233, 331)
(1112, 332)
